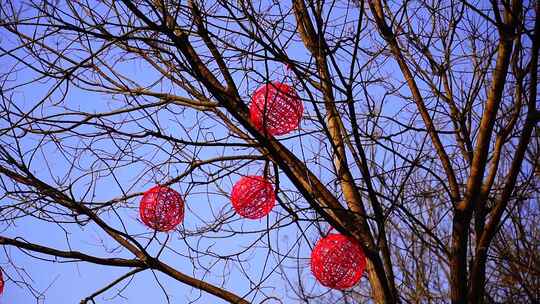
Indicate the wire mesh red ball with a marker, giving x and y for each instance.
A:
(1, 282)
(276, 108)
(337, 261)
(253, 197)
(161, 208)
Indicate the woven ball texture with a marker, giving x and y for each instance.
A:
(1, 282)
(253, 197)
(337, 261)
(276, 109)
(161, 208)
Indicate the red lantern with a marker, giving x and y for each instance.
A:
(337, 261)
(161, 208)
(277, 108)
(1, 282)
(253, 197)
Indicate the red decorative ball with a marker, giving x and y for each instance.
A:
(161, 208)
(277, 108)
(1, 282)
(337, 261)
(253, 197)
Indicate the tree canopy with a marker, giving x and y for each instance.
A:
(418, 139)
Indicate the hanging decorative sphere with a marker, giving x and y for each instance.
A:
(161, 208)
(337, 261)
(276, 108)
(1, 282)
(253, 197)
